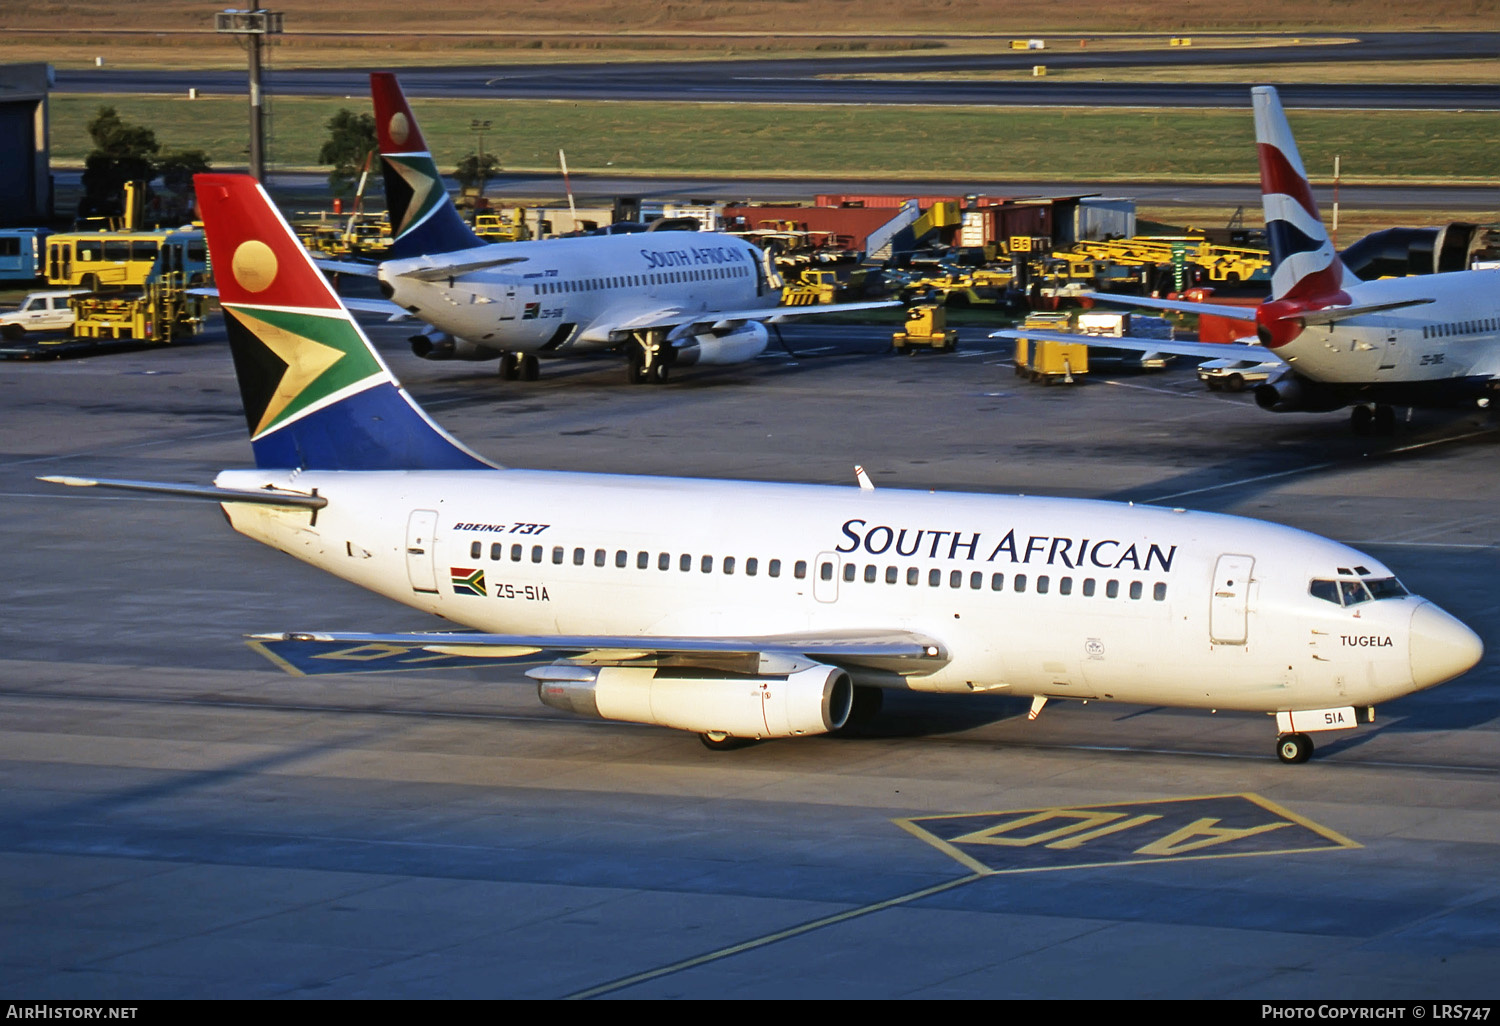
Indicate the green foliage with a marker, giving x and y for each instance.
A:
(475, 170)
(351, 139)
(177, 169)
(122, 152)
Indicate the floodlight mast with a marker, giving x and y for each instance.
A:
(254, 26)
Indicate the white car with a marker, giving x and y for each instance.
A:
(40, 311)
(1234, 375)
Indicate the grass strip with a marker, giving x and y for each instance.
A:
(819, 140)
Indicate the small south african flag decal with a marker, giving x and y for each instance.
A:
(467, 581)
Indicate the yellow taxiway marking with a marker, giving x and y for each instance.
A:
(1151, 831)
(1123, 834)
(771, 938)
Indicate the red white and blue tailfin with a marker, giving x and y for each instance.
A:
(423, 218)
(317, 396)
(1304, 264)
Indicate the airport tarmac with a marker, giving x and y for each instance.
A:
(180, 819)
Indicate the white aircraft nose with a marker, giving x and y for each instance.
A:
(1441, 646)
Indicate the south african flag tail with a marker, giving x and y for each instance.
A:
(317, 395)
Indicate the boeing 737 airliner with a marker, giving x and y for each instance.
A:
(1431, 340)
(666, 299)
(684, 603)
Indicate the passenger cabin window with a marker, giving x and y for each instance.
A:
(476, 549)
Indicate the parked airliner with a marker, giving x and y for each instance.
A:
(1424, 341)
(742, 610)
(665, 298)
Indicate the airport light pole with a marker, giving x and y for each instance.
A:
(254, 26)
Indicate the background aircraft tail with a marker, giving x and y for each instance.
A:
(317, 396)
(1304, 264)
(423, 217)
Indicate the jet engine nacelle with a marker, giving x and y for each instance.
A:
(737, 346)
(812, 700)
(439, 345)
(1293, 394)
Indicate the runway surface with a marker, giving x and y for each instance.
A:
(815, 80)
(179, 819)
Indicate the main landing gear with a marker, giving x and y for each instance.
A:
(519, 366)
(646, 358)
(1294, 748)
(718, 741)
(1377, 419)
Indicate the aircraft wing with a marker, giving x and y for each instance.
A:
(684, 322)
(1204, 350)
(430, 269)
(318, 653)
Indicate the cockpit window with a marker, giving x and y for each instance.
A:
(1352, 593)
(1328, 591)
(1386, 587)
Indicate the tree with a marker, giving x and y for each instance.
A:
(475, 171)
(177, 169)
(351, 139)
(122, 152)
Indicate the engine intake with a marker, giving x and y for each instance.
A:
(1294, 394)
(812, 700)
(439, 345)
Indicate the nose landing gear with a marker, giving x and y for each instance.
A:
(1294, 748)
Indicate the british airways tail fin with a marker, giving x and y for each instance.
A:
(1304, 264)
(423, 217)
(317, 396)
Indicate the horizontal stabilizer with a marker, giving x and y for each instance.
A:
(1234, 313)
(1205, 350)
(354, 267)
(265, 497)
(377, 306)
(1334, 314)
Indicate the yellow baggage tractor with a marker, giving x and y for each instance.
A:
(926, 325)
(1047, 362)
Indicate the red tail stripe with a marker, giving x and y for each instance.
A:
(390, 101)
(1278, 175)
(256, 258)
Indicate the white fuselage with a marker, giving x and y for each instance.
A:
(1457, 336)
(557, 295)
(1028, 596)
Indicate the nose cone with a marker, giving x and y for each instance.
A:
(1441, 647)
